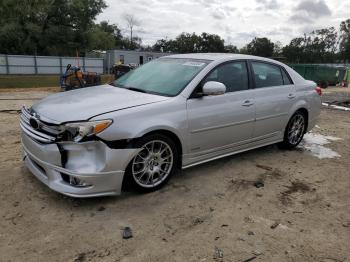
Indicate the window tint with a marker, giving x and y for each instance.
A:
(286, 79)
(233, 75)
(164, 76)
(267, 75)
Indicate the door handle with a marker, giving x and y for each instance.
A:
(248, 103)
(291, 96)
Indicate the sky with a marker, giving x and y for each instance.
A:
(236, 21)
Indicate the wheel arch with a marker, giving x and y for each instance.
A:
(174, 137)
(306, 113)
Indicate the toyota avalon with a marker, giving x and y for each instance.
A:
(174, 112)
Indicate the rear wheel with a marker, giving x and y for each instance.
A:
(295, 131)
(153, 166)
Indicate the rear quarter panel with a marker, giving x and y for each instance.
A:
(307, 97)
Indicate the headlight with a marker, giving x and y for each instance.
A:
(80, 130)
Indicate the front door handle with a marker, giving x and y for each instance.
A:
(291, 96)
(248, 103)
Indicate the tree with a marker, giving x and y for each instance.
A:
(100, 39)
(277, 49)
(131, 22)
(231, 49)
(344, 46)
(47, 27)
(260, 47)
(295, 50)
(132, 45)
(210, 43)
(317, 47)
(191, 43)
(114, 31)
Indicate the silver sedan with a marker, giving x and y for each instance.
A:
(174, 112)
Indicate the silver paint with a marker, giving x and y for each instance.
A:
(208, 128)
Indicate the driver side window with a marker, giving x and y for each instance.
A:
(234, 75)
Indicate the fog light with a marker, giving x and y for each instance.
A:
(73, 181)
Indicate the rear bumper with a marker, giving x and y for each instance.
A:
(100, 168)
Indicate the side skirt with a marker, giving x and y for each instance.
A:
(232, 153)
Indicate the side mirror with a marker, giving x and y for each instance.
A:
(213, 88)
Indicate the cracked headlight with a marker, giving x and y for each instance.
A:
(80, 130)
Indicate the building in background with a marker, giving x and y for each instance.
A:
(129, 57)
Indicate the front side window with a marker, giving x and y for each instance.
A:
(266, 75)
(163, 76)
(233, 75)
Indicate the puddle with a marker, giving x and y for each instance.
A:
(313, 143)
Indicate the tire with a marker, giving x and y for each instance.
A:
(153, 166)
(294, 131)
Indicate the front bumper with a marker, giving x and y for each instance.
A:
(99, 167)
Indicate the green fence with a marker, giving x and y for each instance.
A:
(323, 75)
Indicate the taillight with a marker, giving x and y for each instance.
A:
(318, 90)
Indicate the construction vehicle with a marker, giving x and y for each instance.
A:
(74, 78)
(121, 69)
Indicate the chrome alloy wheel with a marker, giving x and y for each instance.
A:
(153, 164)
(296, 129)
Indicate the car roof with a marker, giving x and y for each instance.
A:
(221, 56)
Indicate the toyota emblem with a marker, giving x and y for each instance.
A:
(34, 122)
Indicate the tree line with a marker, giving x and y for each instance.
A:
(61, 27)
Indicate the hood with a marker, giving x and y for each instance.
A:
(82, 104)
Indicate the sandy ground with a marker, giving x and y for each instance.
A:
(211, 212)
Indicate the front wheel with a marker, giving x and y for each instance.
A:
(295, 131)
(154, 164)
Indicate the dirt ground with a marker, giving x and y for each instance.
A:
(212, 212)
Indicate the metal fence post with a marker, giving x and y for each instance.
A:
(83, 63)
(7, 65)
(60, 59)
(35, 65)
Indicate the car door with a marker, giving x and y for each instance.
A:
(274, 97)
(220, 121)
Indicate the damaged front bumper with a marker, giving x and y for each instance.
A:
(86, 169)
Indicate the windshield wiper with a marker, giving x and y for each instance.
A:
(136, 89)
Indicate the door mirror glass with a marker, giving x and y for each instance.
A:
(213, 88)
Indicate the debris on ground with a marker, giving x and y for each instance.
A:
(101, 208)
(338, 105)
(127, 233)
(197, 221)
(267, 168)
(257, 253)
(274, 225)
(346, 224)
(80, 258)
(259, 184)
(250, 259)
(218, 253)
(10, 111)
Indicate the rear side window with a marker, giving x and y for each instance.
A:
(286, 79)
(233, 75)
(266, 75)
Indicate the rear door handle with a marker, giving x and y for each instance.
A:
(291, 96)
(248, 103)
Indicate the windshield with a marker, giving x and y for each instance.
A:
(164, 76)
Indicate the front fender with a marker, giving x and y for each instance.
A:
(135, 122)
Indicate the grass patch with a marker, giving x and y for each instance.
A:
(32, 81)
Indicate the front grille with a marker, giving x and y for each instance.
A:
(44, 132)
